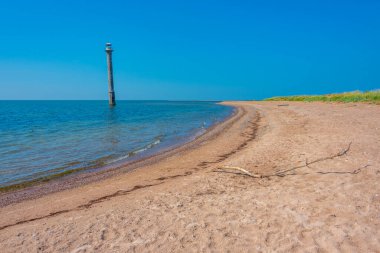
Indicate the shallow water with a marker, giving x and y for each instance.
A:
(43, 138)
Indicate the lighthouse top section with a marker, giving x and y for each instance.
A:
(109, 47)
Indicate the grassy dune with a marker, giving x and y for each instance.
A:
(355, 96)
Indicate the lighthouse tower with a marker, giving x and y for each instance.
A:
(111, 91)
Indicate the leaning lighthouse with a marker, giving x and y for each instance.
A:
(111, 91)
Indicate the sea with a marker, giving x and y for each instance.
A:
(41, 139)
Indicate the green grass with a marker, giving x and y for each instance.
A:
(354, 96)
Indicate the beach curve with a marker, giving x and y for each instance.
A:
(184, 202)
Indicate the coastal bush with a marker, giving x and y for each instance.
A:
(353, 96)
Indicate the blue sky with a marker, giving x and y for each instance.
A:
(206, 50)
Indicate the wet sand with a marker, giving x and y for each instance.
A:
(316, 190)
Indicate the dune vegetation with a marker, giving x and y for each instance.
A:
(354, 96)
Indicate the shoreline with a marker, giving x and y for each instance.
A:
(121, 162)
(77, 177)
(313, 187)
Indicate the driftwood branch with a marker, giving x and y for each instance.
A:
(241, 171)
(345, 172)
(341, 153)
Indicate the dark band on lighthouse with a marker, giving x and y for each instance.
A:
(111, 91)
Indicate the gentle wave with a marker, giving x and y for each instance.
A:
(135, 152)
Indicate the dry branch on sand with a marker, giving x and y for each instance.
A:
(283, 173)
(243, 171)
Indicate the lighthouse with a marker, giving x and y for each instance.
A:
(111, 91)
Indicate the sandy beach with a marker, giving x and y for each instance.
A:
(312, 186)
